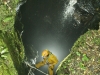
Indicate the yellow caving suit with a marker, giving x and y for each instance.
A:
(51, 60)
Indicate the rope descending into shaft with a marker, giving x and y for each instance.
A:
(34, 68)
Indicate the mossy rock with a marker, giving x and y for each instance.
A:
(6, 63)
(11, 47)
(84, 58)
(7, 14)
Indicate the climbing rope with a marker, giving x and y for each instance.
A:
(35, 68)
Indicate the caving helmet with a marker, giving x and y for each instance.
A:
(45, 53)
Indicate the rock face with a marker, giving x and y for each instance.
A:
(87, 12)
(84, 58)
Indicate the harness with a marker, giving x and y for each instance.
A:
(47, 59)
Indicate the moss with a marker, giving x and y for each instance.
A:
(6, 63)
(11, 48)
(7, 14)
(84, 56)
